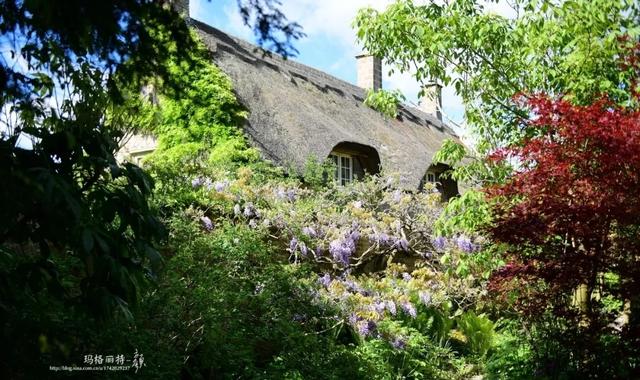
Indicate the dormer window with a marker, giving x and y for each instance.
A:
(344, 167)
(436, 176)
(352, 161)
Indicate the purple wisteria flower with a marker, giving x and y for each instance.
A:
(236, 209)
(304, 251)
(221, 186)
(391, 306)
(399, 343)
(379, 307)
(381, 239)
(357, 204)
(465, 244)
(342, 249)
(366, 328)
(206, 223)
(397, 196)
(286, 194)
(425, 298)
(197, 182)
(408, 308)
(440, 243)
(309, 231)
(291, 195)
(406, 276)
(293, 244)
(353, 287)
(325, 280)
(402, 244)
(249, 210)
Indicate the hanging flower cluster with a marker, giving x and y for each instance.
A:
(372, 227)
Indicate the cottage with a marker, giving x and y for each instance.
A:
(296, 112)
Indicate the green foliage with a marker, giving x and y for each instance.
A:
(513, 356)
(569, 47)
(198, 131)
(385, 102)
(318, 174)
(200, 122)
(271, 238)
(239, 295)
(467, 213)
(478, 330)
(78, 238)
(239, 310)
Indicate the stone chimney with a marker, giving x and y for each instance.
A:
(369, 71)
(431, 100)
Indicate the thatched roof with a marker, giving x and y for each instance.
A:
(296, 111)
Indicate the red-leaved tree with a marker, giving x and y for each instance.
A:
(569, 217)
(571, 212)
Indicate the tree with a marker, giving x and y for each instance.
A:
(570, 217)
(78, 234)
(562, 48)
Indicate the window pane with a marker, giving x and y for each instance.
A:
(344, 168)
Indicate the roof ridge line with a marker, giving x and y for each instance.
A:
(292, 64)
(275, 56)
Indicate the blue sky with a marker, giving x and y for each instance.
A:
(330, 44)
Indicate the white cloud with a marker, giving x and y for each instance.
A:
(330, 18)
(502, 8)
(196, 10)
(235, 22)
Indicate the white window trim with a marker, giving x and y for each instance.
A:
(136, 157)
(338, 174)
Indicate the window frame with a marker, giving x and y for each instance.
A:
(137, 157)
(339, 168)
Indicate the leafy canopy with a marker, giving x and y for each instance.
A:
(562, 48)
(71, 81)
